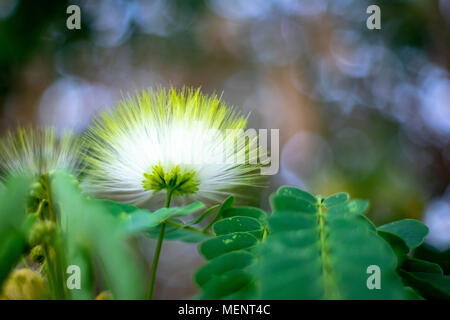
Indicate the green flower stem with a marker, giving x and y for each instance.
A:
(55, 273)
(60, 272)
(158, 250)
(50, 272)
(39, 210)
(25, 262)
(51, 207)
(54, 266)
(265, 234)
(168, 198)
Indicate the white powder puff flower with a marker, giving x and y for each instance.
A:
(176, 141)
(37, 152)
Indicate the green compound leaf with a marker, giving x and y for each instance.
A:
(323, 251)
(226, 275)
(413, 232)
(310, 248)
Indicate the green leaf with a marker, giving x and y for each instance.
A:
(311, 249)
(440, 281)
(284, 221)
(348, 209)
(207, 212)
(323, 253)
(413, 232)
(143, 220)
(229, 242)
(184, 235)
(180, 232)
(93, 233)
(227, 262)
(418, 265)
(116, 208)
(429, 285)
(335, 199)
(14, 224)
(413, 294)
(246, 212)
(297, 193)
(239, 224)
(225, 205)
(283, 202)
(228, 283)
(397, 244)
(184, 211)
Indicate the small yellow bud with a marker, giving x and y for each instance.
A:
(24, 284)
(104, 295)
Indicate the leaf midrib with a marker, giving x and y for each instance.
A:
(330, 286)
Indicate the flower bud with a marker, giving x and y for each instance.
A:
(24, 284)
(37, 254)
(42, 232)
(104, 295)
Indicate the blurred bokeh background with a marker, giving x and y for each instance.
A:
(363, 111)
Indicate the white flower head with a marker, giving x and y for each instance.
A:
(38, 151)
(177, 141)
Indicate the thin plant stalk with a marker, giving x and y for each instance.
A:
(54, 266)
(157, 253)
